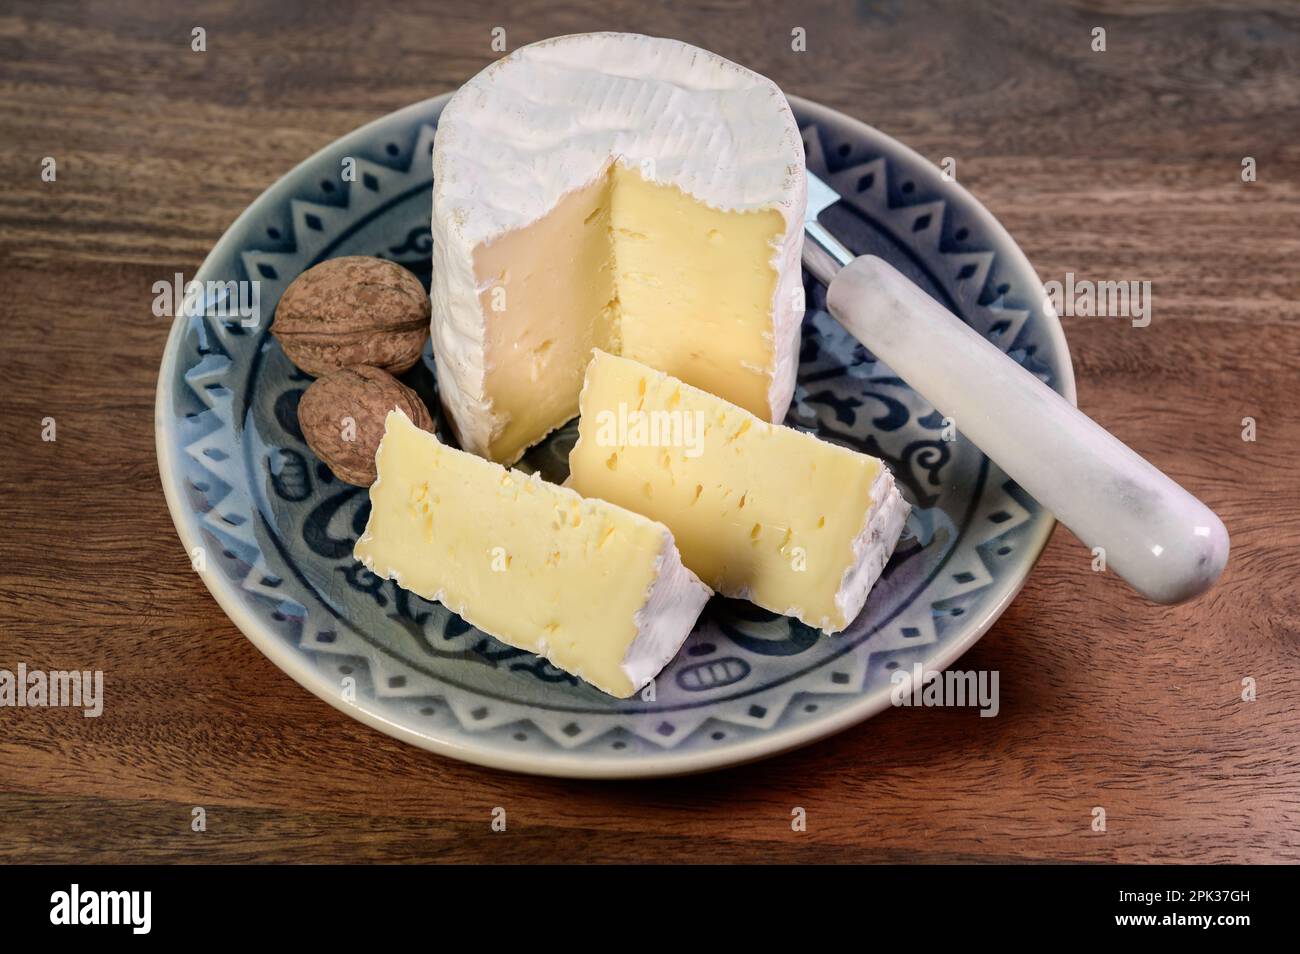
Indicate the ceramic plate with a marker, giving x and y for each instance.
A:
(273, 532)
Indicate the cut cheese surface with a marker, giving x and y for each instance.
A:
(694, 288)
(759, 511)
(599, 591)
(548, 298)
(615, 191)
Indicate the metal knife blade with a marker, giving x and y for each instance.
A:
(824, 255)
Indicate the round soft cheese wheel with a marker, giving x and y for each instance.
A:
(614, 191)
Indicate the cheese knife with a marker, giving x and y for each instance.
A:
(1155, 535)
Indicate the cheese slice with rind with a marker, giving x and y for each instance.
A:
(760, 511)
(600, 591)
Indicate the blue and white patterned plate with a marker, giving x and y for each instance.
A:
(273, 532)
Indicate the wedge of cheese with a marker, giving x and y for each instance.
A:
(621, 192)
(760, 511)
(598, 590)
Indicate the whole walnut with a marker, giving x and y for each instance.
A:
(353, 310)
(342, 418)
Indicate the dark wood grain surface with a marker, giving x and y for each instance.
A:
(1117, 165)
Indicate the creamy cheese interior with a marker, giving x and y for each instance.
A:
(632, 267)
(759, 511)
(532, 563)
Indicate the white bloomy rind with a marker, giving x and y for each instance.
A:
(672, 606)
(547, 119)
(873, 546)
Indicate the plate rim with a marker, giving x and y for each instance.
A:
(565, 764)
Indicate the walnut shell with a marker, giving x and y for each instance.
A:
(353, 310)
(342, 418)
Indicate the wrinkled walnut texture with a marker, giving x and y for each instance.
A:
(342, 418)
(350, 311)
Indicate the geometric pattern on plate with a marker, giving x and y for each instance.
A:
(279, 528)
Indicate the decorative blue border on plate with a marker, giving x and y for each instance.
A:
(241, 480)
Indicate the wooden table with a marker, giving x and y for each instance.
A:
(1123, 164)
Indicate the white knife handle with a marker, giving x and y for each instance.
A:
(1157, 536)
